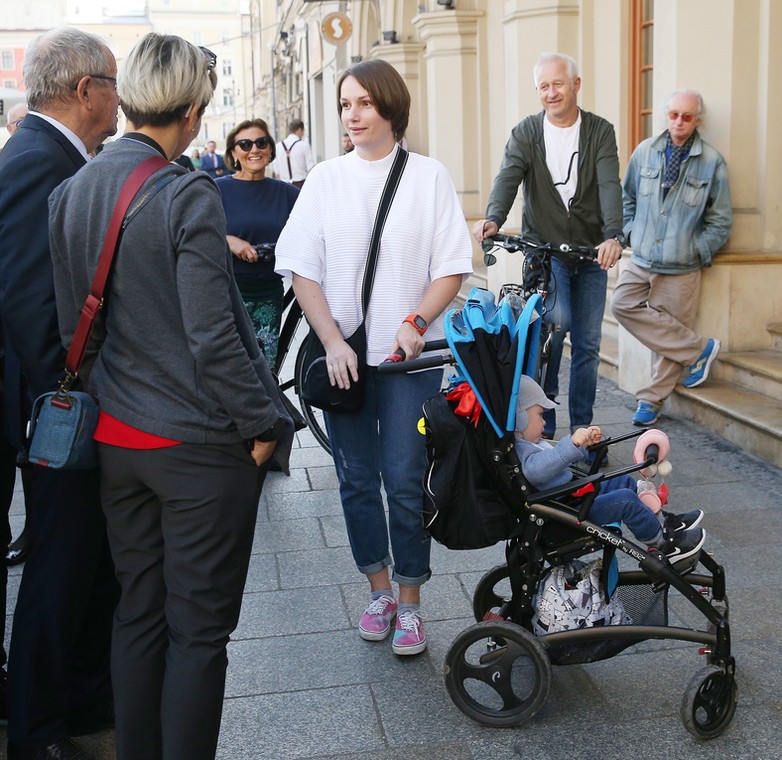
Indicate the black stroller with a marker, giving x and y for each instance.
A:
(498, 671)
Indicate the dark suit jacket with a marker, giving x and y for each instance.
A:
(207, 165)
(34, 161)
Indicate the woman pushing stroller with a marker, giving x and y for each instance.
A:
(547, 465)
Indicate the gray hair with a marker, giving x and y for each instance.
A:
(700, 115)
(544, 58)
(55, 61)
(162, 77)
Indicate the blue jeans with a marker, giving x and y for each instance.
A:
(381, 443)
(618, 502)
(576, 306)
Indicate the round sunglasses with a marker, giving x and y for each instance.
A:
(258, 142)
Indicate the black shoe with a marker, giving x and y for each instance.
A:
(685, 521)
(65, 749)
(683, 548)
(90, 721)
(17, 553)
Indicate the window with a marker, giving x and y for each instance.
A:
(228, 97)
(227, 69)
(198, 38)
(641, 71)
(227, 127)
(8, 59)
(9, 84)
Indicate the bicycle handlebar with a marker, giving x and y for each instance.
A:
(514, 243)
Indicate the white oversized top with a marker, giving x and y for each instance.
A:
(327, 239)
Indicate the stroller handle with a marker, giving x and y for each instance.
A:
(397, 362)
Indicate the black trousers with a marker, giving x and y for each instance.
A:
(60, 642)
(181, 522)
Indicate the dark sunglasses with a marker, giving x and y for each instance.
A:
(258, 142)
(209, 57)
(686, 117)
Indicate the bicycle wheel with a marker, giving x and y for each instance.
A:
(313, 415)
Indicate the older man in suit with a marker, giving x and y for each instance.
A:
(58, 679)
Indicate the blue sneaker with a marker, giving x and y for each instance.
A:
(646, 413)
(700, 370)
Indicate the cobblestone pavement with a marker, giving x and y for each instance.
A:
(302, 684)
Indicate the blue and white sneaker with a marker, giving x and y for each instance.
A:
(646, 413)
(700, 370)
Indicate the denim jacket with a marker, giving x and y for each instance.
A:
(683, 232)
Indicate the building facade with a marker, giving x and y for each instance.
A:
(468, 65)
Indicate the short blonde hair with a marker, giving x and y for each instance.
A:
(162, 77)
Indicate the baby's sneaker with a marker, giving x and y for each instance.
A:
(375, 623)
(409, 637)
(685, 521)
(683, 548)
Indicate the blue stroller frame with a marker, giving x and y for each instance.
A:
(497, 671)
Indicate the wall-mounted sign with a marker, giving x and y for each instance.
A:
(336, 28)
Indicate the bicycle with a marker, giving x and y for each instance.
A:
(292, 318)
(537, 277)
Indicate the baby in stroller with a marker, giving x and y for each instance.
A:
(546, 465)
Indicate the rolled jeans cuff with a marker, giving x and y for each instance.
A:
(375, 567)
(403, 580)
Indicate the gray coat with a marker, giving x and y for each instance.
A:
(179, 358)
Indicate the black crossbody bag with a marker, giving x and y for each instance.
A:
(316, 389)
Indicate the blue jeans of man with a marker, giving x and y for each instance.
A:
(381, 443)
(618, 502)
(575, 305)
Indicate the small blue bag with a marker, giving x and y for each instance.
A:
(61, 431)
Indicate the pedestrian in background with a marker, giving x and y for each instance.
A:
(677, 215)
(294, 156)
(256, 209)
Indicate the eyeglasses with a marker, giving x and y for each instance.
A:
(209, 57)
(104, 77)
(685, 117)
(258, 142)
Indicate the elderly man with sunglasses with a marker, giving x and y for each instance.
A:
(677, 215)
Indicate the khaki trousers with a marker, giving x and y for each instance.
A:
(660, 311)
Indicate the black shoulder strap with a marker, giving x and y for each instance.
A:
(288, 155)
(389, 191)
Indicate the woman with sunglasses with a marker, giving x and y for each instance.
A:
(256, 209)
(190, 413)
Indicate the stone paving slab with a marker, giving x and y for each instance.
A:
(303, 686)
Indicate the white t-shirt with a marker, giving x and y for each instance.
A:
(562, 157)
(327, 239)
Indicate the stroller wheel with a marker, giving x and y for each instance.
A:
(497, 673)
(491, 593)
(709, 703)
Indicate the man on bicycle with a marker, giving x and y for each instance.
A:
(567, 161)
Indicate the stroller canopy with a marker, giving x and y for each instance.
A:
(493, 345)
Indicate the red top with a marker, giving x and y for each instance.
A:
(110, 430)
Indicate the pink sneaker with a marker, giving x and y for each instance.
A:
(375, 623)
(409, 637)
